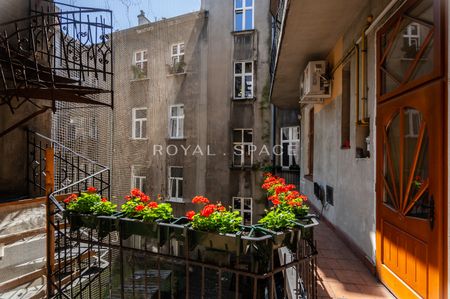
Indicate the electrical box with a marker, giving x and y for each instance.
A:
(314, 85)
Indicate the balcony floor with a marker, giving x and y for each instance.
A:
(341, 273)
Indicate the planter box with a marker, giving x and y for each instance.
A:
(81, 220)
(106, 225)
(209, 240)
(152, 235)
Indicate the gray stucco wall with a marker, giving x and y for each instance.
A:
(352, 178)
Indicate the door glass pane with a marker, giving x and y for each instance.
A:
(402, 44)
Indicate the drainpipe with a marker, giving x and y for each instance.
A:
(364, 119)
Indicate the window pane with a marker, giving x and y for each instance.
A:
(248, 19)
(247, 218)
(145, 55)
(180, 110)
(174, 49)
(176, 172)
(237, 136)
(182, 48)
(138, 56)
(285, 156)
(248, 134)
(237, 204)
(180, 188)
(141, 113)
(144, 129)
(180, 127)
(248, 86)
(137, 133)
(238, 21)
(247, 203)
(238, 3)
(238, 68)
(238, 87)
(248, 67)
(249, 3)
(284, 133)
(173, 188)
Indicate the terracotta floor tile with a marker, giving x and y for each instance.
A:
(341, 274)
(347, 291)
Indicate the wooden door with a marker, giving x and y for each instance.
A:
(411, 255)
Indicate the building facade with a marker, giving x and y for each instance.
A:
(193, 106)
(373, 155)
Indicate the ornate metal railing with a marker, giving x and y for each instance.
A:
(58, 53)
(277, 27)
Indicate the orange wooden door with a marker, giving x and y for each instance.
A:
(410, 153)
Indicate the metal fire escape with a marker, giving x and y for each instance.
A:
(59, 52)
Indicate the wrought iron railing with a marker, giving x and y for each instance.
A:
(59, 53)
(119, 266)
(291, 176)
(277, 27)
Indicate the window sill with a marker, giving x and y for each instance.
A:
(309, 177)
(244, 100)
(242, 32)
(138, 139)
(176, 200)
(176, 74)
(176, 138)
(140, 79)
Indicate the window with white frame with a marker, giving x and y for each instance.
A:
(138, 177)
(290, 141)
(411, 35)
(243, 80)
(139, 129)
(242, 147)
(140, 64)
(243, 15)
(244, 206)
(176, 121)
(177, 53)
(176, 183)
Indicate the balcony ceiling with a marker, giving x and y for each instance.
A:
(312, 29)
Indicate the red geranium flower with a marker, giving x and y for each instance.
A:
(220, 208)
(190, 215)
(91, 189)
(70, 198)
(200, 199)
(136, 192)
(152, 205)
(139, 208)
(144, 198)
(208, 210)
(104, 199)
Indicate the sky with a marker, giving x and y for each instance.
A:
(125, 11)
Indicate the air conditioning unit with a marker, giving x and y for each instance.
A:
(314, 85)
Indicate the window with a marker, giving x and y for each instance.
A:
(290, 141)
(242, 147)
(411, 40)
(176, 121)
(138, 178)
(244, 206)
(176, 183)
(139, 130)
(140, 64)
(243, 80)
(311, 143)
(345, 107)
(177, 53)
(243, 15)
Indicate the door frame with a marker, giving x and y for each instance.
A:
(437, 75)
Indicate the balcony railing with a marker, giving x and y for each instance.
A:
(277, 28)
(292, 176)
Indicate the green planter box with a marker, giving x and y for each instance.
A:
(153, 236)
(78, 221)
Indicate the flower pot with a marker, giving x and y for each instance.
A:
(106, 225)
(81, 220)
(152, 235)
(210, 240)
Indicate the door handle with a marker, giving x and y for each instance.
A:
(431, 212)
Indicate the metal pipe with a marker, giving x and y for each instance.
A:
(357, 86)
(364, 112)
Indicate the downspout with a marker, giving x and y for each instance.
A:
(364, 119)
